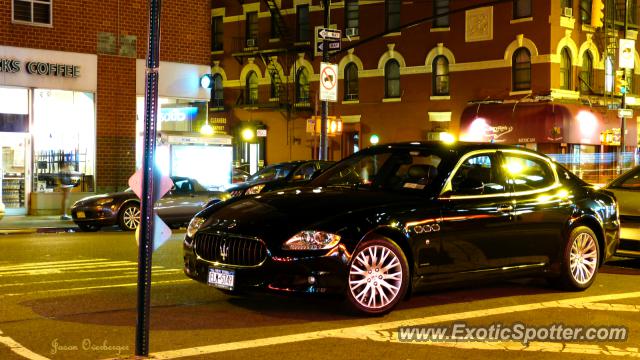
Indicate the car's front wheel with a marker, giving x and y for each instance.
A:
(129, 217)
(378, 277)
(581, 259)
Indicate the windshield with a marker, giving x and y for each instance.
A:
(273, 172)
(396, 170)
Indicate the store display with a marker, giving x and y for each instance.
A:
(13, 190)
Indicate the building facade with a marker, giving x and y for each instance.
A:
(533, 73)
(72, 82)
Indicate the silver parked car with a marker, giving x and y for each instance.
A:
(176, 208)
(626, 188)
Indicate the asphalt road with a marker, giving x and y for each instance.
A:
(73, 296)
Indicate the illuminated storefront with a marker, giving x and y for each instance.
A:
(47, 127)
(189, 142)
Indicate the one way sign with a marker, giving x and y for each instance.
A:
(329, 34)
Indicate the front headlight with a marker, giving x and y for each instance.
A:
(104, 201)
(194, 225)
(311, 240)
(254, 189)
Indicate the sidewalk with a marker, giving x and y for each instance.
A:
(35, 224)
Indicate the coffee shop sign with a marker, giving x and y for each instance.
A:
(39, 68)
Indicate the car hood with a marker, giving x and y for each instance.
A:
(276, 216)
(115, 196)
(247, 184)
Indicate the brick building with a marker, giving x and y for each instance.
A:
(72, 82)
(533, 73)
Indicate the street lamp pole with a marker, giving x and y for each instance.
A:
(623, 103)
(325, 104)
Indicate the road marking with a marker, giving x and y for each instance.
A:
(373, 330)
(604, 307)
(164, 282)
(61, 269)
(127, 275)
(19, 349)
(48, 263)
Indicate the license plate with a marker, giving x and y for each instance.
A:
(222, 279)
(81, 215)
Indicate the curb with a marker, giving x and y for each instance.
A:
(38, 230)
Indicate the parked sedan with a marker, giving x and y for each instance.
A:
(176, 208)
(626, 188)
(402, 217)
(279, 176)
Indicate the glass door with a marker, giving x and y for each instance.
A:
(13, 169)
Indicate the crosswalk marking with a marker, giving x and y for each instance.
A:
(126, 276)
(97, 287)
(48, 263)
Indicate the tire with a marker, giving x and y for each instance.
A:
(387, 283)
(129, 217)
(580, 260)
(89, 227)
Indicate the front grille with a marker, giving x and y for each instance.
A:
(230, 249)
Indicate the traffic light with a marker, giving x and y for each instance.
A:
(621, 84)
(597, 13)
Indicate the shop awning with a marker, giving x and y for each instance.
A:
(526, 122)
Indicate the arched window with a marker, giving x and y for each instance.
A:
(521, 69)
(218, 91)
(252, 88)
(275, 84)
(565, 69)
(302, 86)
(440, 71)
(586, 73)
(392, 79)
(351, 81)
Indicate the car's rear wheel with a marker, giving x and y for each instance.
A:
(378, 277)
(129, 217)
(580, 260)
(89, 227)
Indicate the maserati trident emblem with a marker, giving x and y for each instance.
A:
(224, 250)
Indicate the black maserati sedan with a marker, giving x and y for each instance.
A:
(397, 218)
(278, 176)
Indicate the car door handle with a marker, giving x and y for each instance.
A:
(505, 208)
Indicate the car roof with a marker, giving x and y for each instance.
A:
(459, 146)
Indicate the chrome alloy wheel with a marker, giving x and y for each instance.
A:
(375, 277)
(131, 217)
(583, 258)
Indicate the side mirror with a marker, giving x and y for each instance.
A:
(470, 186)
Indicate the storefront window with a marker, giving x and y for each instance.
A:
(64, 140)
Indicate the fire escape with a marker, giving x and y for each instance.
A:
(277, 52)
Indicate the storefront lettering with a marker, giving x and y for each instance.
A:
(63, 70)
(9, 66)
(40, 68)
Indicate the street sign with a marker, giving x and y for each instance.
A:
(626, 113)
(627, 53)
(161, 231)
(328, 82)
(329, 34)
(331, 45)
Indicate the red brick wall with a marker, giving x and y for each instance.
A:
(185, 38)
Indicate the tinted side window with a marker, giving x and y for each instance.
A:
(527, 172)
(478, 175)
(631, 182)
(304, 172)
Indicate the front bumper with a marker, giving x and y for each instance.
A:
(326, 272)
(95, 215)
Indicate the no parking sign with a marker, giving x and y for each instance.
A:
(328, 82)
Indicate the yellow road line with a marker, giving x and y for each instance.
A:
(97, 287)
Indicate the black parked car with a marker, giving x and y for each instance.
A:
(400, 217)
(277, 176)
